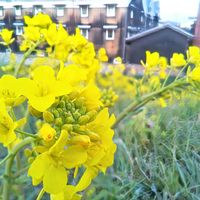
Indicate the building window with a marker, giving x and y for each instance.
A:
(60, 11)
(131, 14)
(1, 11)
(37, 9)
(142, 18)
(84, 10)
(18, 10)
(84, 32)
(110, 10)
(110, 34)
(19, 30)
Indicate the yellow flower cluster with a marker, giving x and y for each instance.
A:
(75, 135)
(112, 76)
(76, 132)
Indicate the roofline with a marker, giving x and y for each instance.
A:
(159, 28)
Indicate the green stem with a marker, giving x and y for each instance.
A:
(9, 163)
(168, 75)
(180, 72)
(5, 159)
(26, 55)
(144, 100)
(40, 195)
(26, 134)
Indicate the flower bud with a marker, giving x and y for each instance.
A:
(83, 110)
(48, 116)
(76, 115)
(27, 152)
(69, 120)
(62, 104)
(83, 140)
(83, 119)
(47, 132)
(93, 136)
(59, 121)
(67, 127)
(31, 159)
(92, 114)
(56, 113)
(34, 112)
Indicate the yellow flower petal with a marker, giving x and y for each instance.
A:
(55, 179)
(78, 158)
(38, 168)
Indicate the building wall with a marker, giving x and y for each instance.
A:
(97, 20)
(166, 42)
(197, 30)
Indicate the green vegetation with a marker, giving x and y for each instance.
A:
(157, 157)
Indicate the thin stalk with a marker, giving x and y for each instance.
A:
(167, 78)
(6, 158)
(26, 55)
(141, 102)
(40, 195)
(180, 72)
(9, 163)
(26, 134)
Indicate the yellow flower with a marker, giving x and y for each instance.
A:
(178, 60)
(47, 132)
(102, 56)
(70, 191)
(7, 36)
(7, 126)
(102, 155)
(73, 73)
(32, 33)
(44, 88)
(11, 90)
(194, 75)
(92, 96)
(163, 62)
(54, 35)
(193, 54)
(162, 102)
(55, 162)
(40, 20)
(152, 59)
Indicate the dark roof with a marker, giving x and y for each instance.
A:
(157, 29)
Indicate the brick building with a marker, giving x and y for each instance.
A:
(197, 30)
(106, 23)
(102, 23)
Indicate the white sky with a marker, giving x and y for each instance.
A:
(178, 10)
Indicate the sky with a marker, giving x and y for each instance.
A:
(178, 10)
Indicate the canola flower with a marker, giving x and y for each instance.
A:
(68, 93)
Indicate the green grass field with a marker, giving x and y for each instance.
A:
(157, 157)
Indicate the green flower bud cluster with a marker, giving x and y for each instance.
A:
(69, 113)
(108, 97)
(29, 154)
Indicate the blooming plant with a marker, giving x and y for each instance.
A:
(64, 98)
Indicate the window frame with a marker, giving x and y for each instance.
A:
(107, 34)
(87, 32)
(63, 11)
(84, 15)
(131, 14)
(108, 12)
(17, 32)
(20, 11)
(1, 11)
(35, 7)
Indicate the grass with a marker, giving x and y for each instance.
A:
(158, 156)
